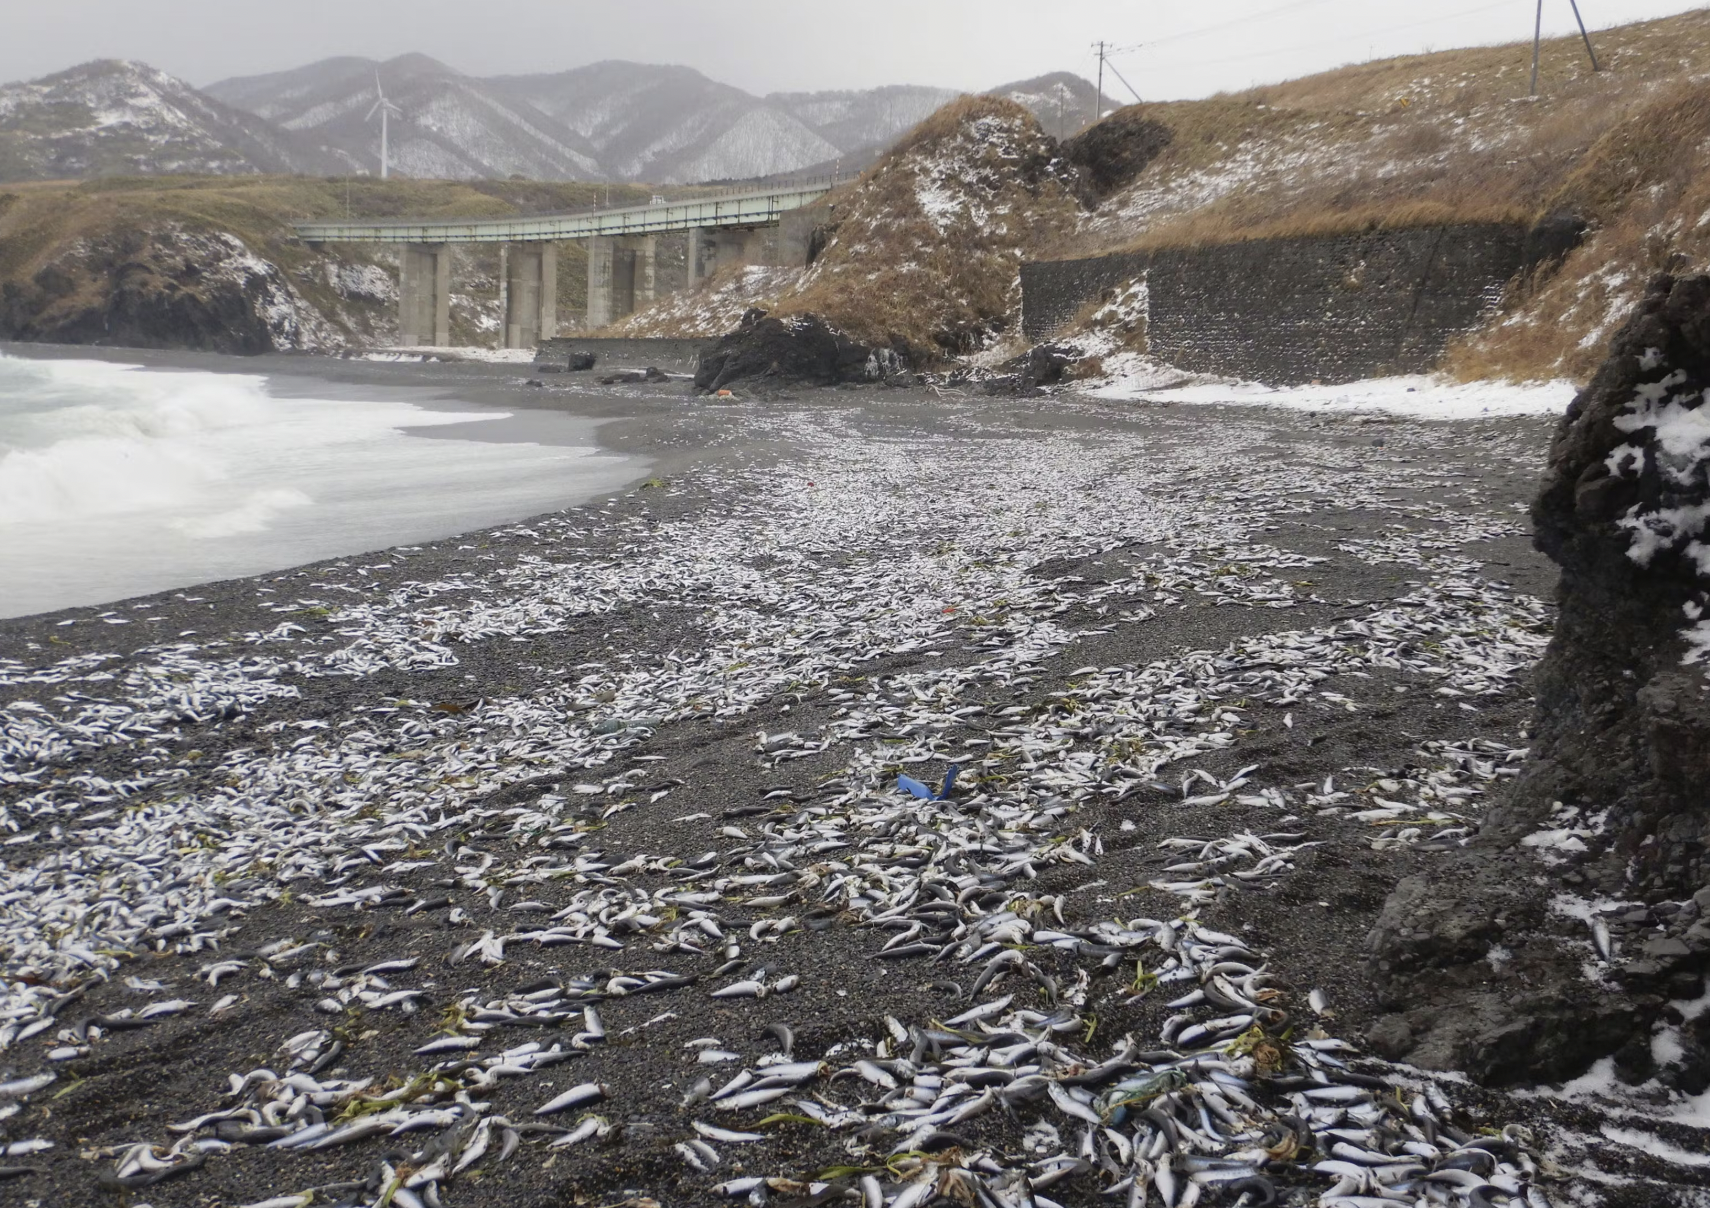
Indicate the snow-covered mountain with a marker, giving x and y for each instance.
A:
(670, 124)
(611, 120)
(112, 116)
(453, 125)
(604, 121)
(1062, 101)
(861, 120)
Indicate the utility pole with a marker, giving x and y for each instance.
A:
(1538, 35)
(1537, 42)
(1594, 67)
(1098, 103)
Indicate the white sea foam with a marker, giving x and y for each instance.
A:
(117, 480)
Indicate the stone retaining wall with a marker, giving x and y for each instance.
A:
(1334, 308)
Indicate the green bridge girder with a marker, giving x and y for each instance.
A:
(761, 208)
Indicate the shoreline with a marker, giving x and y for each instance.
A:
(515, 416)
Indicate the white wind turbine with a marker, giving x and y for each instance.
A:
(385, 109)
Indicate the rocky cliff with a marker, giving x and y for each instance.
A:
(1563, 934)
(164, 288)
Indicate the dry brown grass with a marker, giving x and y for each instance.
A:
(1452, 137)
(1232, 222)
(1645, 186)
(44, 219)
(934, 284)
(1395, 143)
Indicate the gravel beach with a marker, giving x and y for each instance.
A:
(335, 880)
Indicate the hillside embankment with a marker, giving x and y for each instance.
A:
(923, 252)
(1429, 140)
(210, 263)
(1607, 169)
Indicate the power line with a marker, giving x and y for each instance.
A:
(1279, 50)
(1221, 25)
(1098, 105)
(1125, 82)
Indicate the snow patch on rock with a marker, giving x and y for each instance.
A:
(361, 282)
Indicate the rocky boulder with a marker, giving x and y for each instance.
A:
(1111, 154)
(1562, 933)
(1042, 365)
(798, 350)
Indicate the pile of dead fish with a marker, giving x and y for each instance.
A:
(872, 557)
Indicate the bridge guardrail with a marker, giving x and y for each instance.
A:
(758, 208)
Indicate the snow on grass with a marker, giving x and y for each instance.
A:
(715, 307)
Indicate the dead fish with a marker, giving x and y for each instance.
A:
(587, 1092)
(742, 989)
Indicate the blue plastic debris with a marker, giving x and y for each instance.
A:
(909, 784)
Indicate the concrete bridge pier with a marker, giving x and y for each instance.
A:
(622, 276)
(424, 294)
(698, 260)
(602, 263)
(742, 246)
(646, 270)
(530, 288)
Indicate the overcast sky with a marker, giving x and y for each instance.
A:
(1170, 50)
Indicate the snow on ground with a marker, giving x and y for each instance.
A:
(1418, 396)
(452, 352)
(714, 307)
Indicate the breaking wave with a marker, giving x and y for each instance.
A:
(85, 438)
(117, 480)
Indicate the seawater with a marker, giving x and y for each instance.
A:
(116, 480)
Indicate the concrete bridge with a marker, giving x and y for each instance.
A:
(625, 262)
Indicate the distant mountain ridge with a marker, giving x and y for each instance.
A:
(453, 126)
(612, 121)
(117, 117)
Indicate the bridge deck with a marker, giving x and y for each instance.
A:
(734, 210)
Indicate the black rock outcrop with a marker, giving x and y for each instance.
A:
(1551, 238)
(1562, 933)
(1112, 153)
(164, 287)
(798, 350)
(1041, 365)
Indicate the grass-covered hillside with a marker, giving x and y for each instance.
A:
(923, 251)
(210, 262)
(1454, 136)
(1412, 141)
